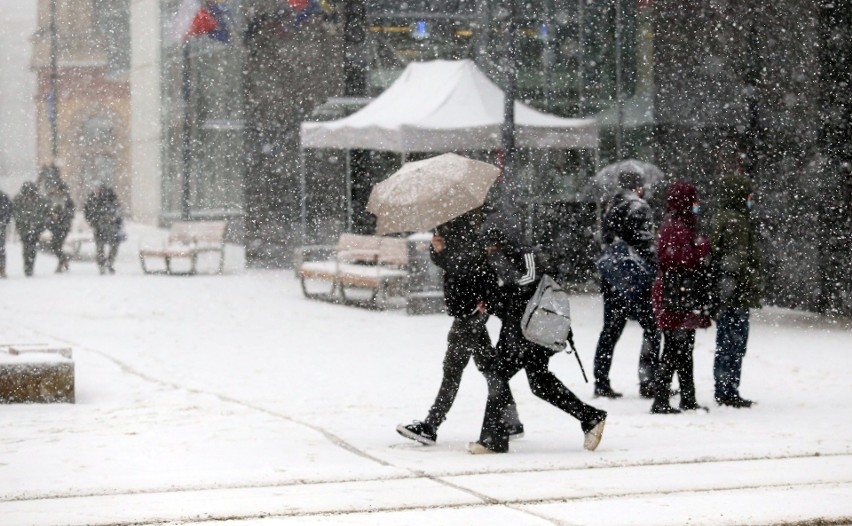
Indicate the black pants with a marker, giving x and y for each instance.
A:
(3, 247)
(467, 337)
(57, 240)
(678, 346)
(29, 243)
(514, 352)
(105, 260)
(617, 311)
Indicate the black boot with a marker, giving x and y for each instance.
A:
(605, 391)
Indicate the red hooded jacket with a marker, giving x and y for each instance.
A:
(679, 247)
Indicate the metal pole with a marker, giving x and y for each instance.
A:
(510, 193)
(52, 97)
(349, 190)
(581, 56)
(619, 88)
(186, 152)
(303, 194)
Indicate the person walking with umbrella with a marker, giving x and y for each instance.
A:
(468, 285)
(628, 219)
(445, 193)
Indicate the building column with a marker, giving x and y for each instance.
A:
(145, 134)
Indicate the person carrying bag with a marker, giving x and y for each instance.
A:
(681, 253)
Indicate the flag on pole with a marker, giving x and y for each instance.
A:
(196, 18)
(307, 8)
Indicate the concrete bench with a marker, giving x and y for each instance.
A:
(36, 373)
(376, 264)
(186, 241)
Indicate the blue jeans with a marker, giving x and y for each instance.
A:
(731, 339)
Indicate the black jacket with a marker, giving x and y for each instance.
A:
(5, 209)
(518, 269)
(628, 217)
(467, 277)
(103, 213)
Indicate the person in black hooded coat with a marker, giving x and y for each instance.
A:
(103, 213)
(31, 216)
(469, 283)
(5, 217)
(518, 270)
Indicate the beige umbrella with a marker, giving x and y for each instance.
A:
(423, 194)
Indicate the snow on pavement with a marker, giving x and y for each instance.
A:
(231, 398)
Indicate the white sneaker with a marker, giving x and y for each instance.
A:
(593, 436)
(475, 448)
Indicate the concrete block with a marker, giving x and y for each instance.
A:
(32, 376)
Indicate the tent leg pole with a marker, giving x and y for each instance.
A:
(303, 202)
(349, 190)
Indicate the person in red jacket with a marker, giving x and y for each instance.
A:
(679, 248)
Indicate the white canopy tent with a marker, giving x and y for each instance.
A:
(443, 106)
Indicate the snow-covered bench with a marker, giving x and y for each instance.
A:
(377, 264)
(187, 240)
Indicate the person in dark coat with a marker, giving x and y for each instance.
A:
(679, 248)
(468, 284)
(59, 223)
(5, 216)
(736, 257)
(628, 218)
(32, 212)
(518, 273)
(103, 213)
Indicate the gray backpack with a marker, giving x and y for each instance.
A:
(547, 318)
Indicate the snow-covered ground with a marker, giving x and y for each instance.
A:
(232, 399)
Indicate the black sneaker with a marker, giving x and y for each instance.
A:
(606, 392)
(478, 448)
(515, 431)
(419, 432)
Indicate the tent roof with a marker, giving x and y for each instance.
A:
(445, 105)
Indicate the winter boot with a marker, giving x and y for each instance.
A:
(605, 391)
(663, 408)
(736, 402)
(692, 406)
(419, 432)
(515, 431)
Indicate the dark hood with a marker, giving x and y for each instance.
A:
(681, 197)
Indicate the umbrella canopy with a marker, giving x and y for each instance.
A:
(605, 182)
(424, 194)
